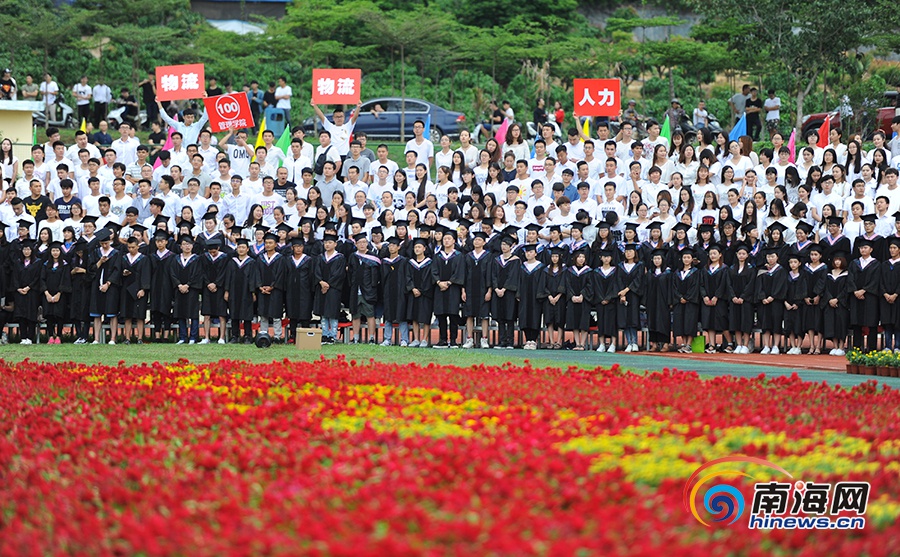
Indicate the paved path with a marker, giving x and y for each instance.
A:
(831, 369)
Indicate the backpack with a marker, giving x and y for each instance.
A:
(320, 161)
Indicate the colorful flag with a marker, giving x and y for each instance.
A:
(168, 144)
(586, 130)
(792, 144)
(34, 135)
(666, 130)
(259, 138)
(739, 129)
(501, 131)
(83, 126)
(428, 127)
(284, 143)
(824, 131)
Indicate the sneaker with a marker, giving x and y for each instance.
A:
(204, 341)
(840, 352)
(766, 350)
(611, 349)
(423, 344)
(744, 349)
(221, 340)
(413, 344)
(192, 341)
(4, 340)
(634, 348)
(372, 340)
(25, 341)
(79, 341)
(111, 343)
(403, 344)
(441, 344)
(454, 345)
(469, 343)
(833, 352)
(484, 343)
(628, 348)
(140, 341)
(180, 341)
(248, 340)
(509, 347)
(96, 342)
(234, 340)
(499, 347)
(386, 342)
(127, 342)
(601, 348)
(774, 351)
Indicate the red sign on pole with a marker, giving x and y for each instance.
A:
(336, 86)
(597, 97)
(229, 111)
(180, 82)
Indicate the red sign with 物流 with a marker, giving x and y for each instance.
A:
(229, 111)
(180, 82)
(331, 86)
(597, 97)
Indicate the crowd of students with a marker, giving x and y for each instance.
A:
(657, 234)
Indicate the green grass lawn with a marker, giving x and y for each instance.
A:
(135, 354)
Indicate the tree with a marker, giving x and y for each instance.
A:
(804, 37)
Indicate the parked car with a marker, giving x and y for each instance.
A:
(385, 123)
(870, 119)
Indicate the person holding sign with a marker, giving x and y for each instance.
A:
(340, 130)
(189, 129)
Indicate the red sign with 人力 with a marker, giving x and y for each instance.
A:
(180, 82)
(597, 97)
(228, 111)
(336, 86)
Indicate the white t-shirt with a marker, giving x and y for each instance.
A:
(283, 103)
(79, 89)
(117, 207)
(239, 157)
(773, 114)
(340, 136)
(700, 116)
(423, 151)
(49, 91)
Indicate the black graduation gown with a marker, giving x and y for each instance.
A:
(606, 288)
(106, 303)
(365, 275)
(186, 305)
(299, 287)
(714, 284)
(796, 293)
(864, 313)
(815, 284)
(132, 307)
(835, 320)
(673, 258)
(333, 271)
(797, 249)
(396, 282)
(879, 248)
(728, 251)
(647, 253)
(450, 267)
(531, 292)
(241, 283)
(80, 304)
(555, 314)
(771, 282)
(504, 274)
(831, 246)
(213, 303)
(741, 284)
(4, 268)
(630, 312)
(203, 239)
(56, 280)
(577, 282)
(890, 284)
(161, 288)
(685, 315)
(658, 301)
(597, 246)
(701, 252)
(478, 276)
(26, 305)
(581, 245)
(755, 255)
(271, 273)
(424, 276)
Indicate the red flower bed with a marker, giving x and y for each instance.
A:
(339, 458)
